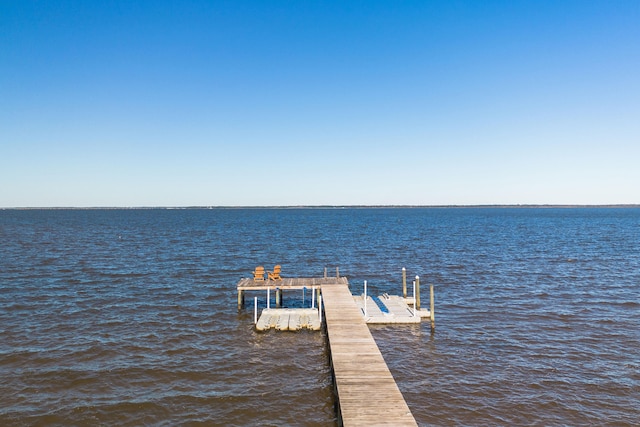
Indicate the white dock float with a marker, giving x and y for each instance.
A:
(289, 319)
(394, 310)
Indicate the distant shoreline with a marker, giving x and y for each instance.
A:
(523, 206)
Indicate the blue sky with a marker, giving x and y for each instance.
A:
(234, 103)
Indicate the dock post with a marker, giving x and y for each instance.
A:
(416, 303)
(325, 272)
(255, 310)
(404, 282)
(278, 298)
(414, 298)
(432, 310)
(320, 308)
(268, 297)
(337, 272)
(313, 297)
(365, 298)
(240, 299)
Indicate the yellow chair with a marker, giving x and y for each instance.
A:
(275, 274)
(258, 274)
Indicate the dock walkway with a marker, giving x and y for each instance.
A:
(367, 392)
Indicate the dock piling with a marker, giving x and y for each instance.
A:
(416, 303)
(432, 310)
(240, 299)
(404, 282)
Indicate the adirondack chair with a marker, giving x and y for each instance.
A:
(275, 274)
(258, 274)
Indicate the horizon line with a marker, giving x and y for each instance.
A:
(359, 206)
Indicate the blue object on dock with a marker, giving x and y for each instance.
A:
(380, 304)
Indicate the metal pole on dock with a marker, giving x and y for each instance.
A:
(417, 296)
(414, 298)
(320, 308)
(255, 310)
(404, 282)
(432, 310)
(313, 297)
(337, 272)
(278, 298)
(268, 298)
(325, 272)
(365, 298)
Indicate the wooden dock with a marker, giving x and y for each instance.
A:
(367, 393)
(286, 283)
(248, 284)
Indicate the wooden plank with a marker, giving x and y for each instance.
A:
(367, 393)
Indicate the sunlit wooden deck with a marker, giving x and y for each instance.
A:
(367, 392)
(248, 284)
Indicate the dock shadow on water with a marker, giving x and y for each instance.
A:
(129, 317)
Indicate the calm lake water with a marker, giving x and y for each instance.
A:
(129, 317)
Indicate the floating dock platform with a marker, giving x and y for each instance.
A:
(289, 319)
(389, 309)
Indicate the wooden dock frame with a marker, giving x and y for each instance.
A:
(288, 283)
(366, 392)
